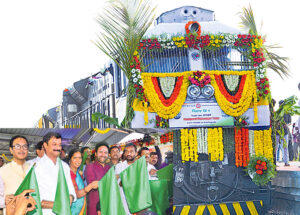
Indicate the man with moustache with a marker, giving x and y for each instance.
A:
(130, 153)
(46, 171)
(13, 173)
(39, 151)
(115, 155)
(94, 172)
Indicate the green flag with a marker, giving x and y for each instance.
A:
(83, 161)
(159, 194)
(136, 186)
(167, 174)
(109, 195)
(62, 198)
(30, 182)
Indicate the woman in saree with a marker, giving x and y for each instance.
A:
(79, 206)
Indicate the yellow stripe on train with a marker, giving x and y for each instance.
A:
(211, 208)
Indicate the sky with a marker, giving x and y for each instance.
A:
(46, 45)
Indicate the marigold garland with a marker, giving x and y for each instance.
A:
(215, 144)
(232, 105)
(238, 107)
(166, 108)
(241, 147)
(263, 143)
(189, 150)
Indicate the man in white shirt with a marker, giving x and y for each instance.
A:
(144, 151)
(39, 150)
(46, 171)
(130, 153)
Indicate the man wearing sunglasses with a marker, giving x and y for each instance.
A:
(13, 173)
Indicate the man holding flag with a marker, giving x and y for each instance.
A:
(53, 178)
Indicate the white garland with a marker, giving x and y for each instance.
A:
(232, 81)
(167, 85)
(251, 143)
(202, 140)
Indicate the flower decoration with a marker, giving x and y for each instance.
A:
(166, 138)
(240, 122)
(241, 147)
(215, 144)
(263, 143)
(263, 87)
(261, 169)
(187, 28)
(200, 79)
(166, 108)
(149, 44)
(161, 122)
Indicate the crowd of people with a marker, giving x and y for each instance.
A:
(289, 145)
(82, 169)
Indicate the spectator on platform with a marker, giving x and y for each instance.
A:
(46, 171)
(296, 139)
(39, 151)
(168, 159)
(144, 151)
(13, 173)
(115, 155)
(94, 172)
(79, 206)
(280, 142)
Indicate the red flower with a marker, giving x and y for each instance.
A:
(264, 163)
(258, 161)
(260, 172)
(266, 92)
(257, 167)
(255, 65)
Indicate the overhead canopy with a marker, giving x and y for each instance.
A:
(71, 137)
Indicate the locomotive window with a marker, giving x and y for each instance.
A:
(225, 59)
(170, 60)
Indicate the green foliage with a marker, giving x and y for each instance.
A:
(267, 176)
(287, 107)
(113, 121)
(123, 25)
(274, 62)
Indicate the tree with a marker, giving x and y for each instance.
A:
(123, 24)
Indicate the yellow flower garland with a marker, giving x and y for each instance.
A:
(215, 144)
(189, 147)
(161, 110)
(248, 94)
(263, 143)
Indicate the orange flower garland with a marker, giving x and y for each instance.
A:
(234, 99)
(166, 108)
(241, 147)
(187, 30)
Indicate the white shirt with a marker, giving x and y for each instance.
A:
(46, 174)
(33, 161)
(120, 167)
(2, 202)
(149, 167)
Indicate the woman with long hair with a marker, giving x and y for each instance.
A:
(79, 206)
